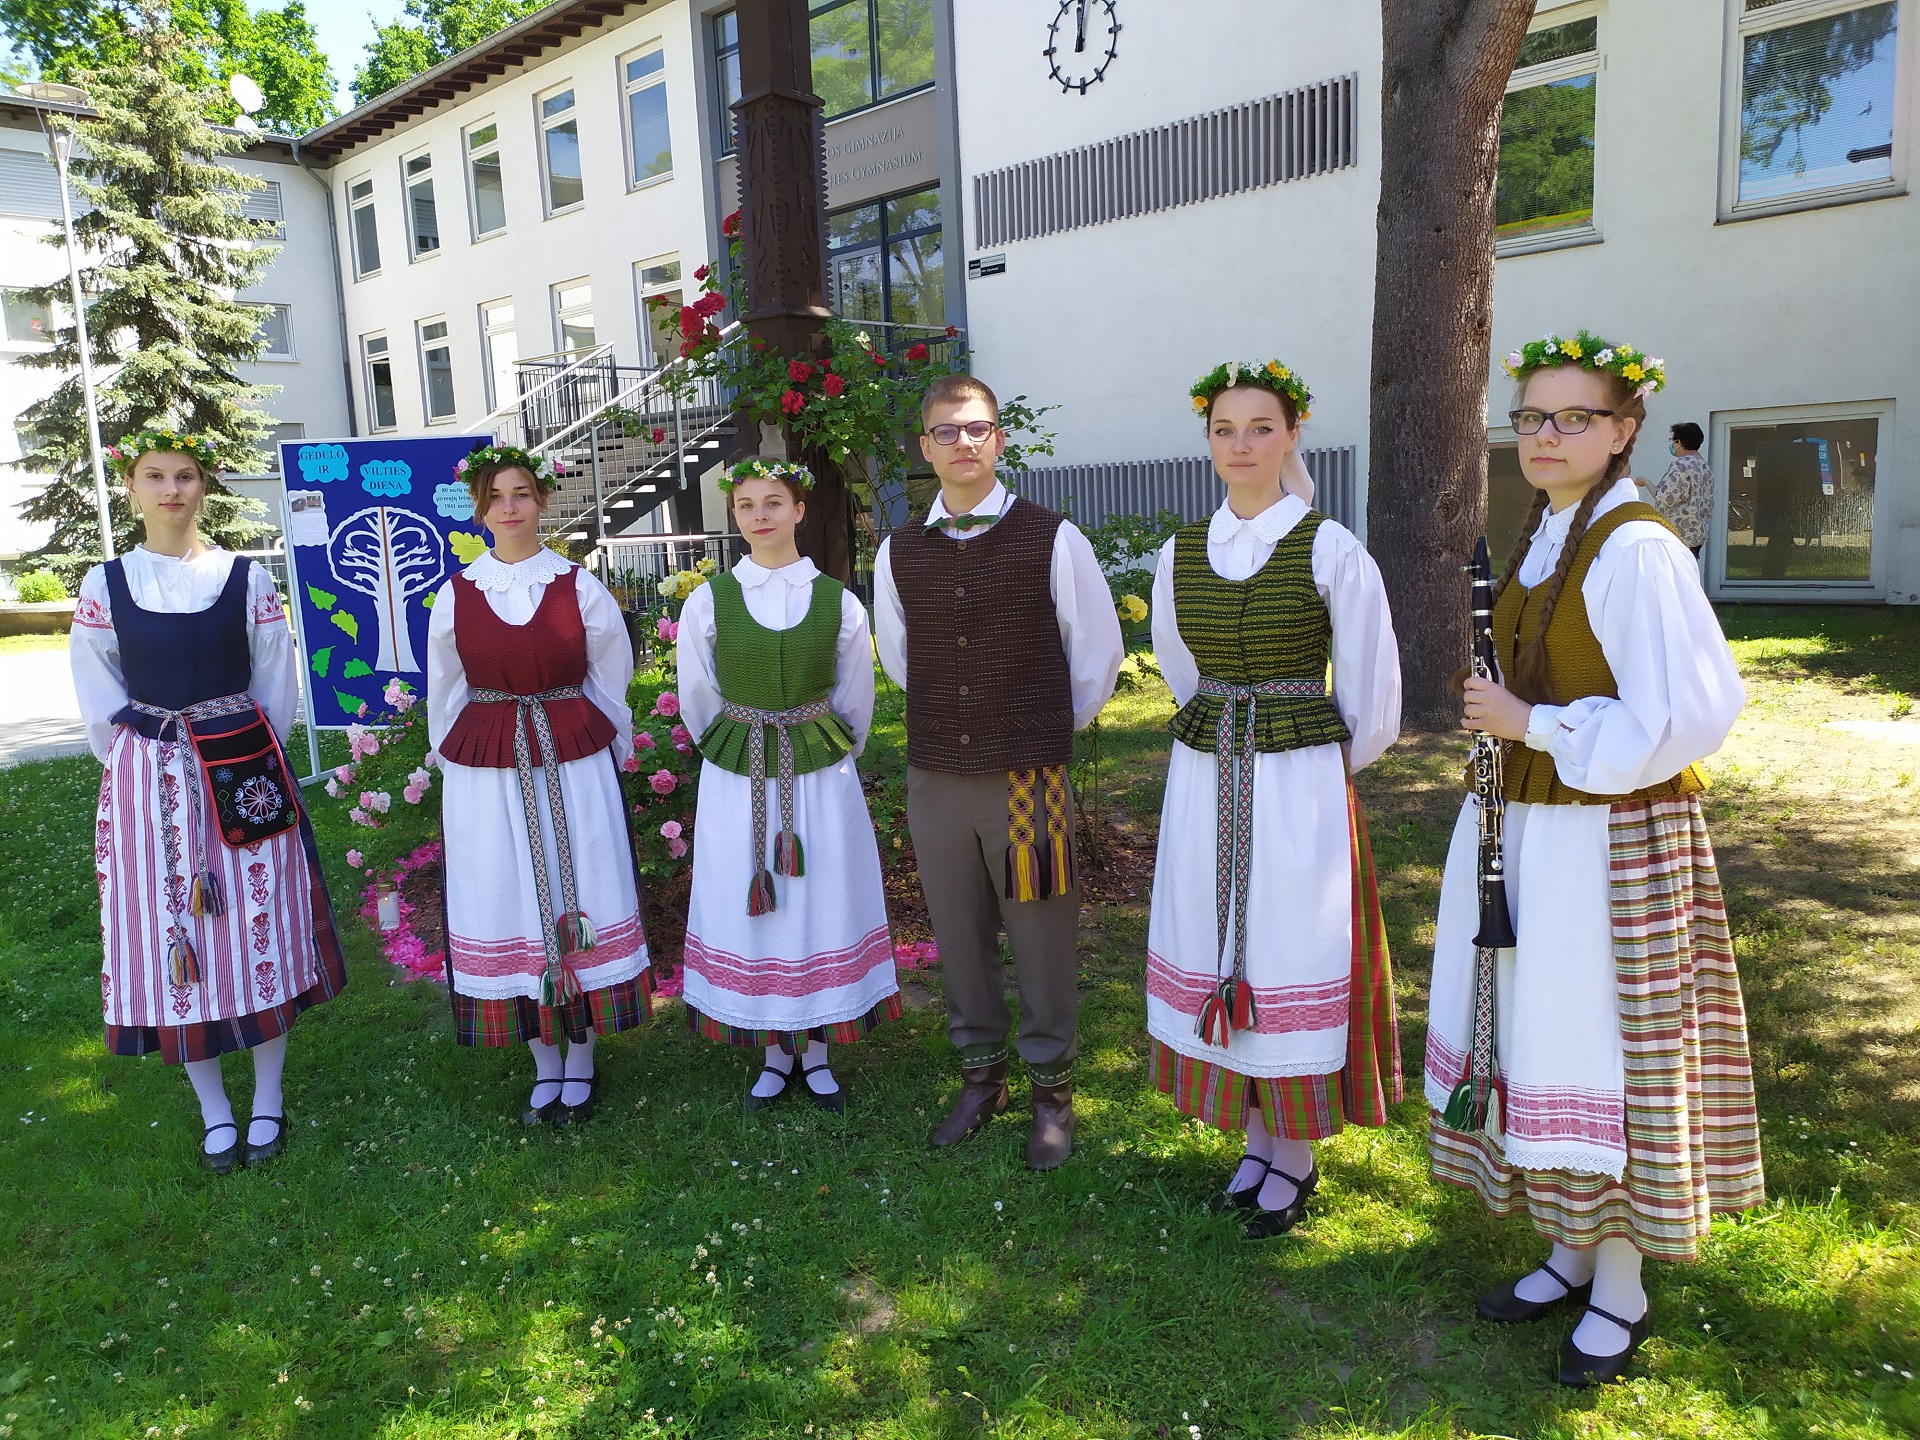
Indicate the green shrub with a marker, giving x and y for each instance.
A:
(39, 587)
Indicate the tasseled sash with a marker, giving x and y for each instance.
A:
(788, 857)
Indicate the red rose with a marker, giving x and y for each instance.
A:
(793, 402)
(701, 273)
(692, 322)
(876, 357)
(686, 350)
(710, 304)
(917, 352)
(759, 342)
(732, 225)
(799, 371)
(834, 385)
(658, 435)
(952, 330)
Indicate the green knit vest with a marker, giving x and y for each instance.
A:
(1270, 626)
(775, 670)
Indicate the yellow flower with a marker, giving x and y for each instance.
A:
(1633, 370)
(1134, 608)
(706, 566)
(1199, 404)
(1571, 349)
(1277, 370)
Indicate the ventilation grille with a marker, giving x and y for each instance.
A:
(1302, 132)
(29, 186)
(1092, 493)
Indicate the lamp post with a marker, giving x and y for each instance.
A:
(60, 141)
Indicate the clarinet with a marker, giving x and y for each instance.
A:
(1475, 1104)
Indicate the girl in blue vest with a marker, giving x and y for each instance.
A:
(215, 923)
(788, 949)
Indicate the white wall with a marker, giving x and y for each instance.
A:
(24, 260)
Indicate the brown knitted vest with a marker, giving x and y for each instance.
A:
(987, 682)
(1576, 668)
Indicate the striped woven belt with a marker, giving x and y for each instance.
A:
(788, 857)
(1230, 1007)
(571, 932)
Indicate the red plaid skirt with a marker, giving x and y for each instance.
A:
(517, 1019)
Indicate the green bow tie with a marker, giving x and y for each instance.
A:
(969, 521)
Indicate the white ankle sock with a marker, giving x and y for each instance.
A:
(1617, 1290)
(1252, 1169)
(578, 1071)
(1540, 1287)
(269, 1062)
(215, 1108)
(820, 1081)
(1295, 1158)
(766, 1086)
(547, 1070)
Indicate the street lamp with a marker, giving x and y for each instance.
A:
(60, 141)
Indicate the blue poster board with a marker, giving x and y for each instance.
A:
(374, 528)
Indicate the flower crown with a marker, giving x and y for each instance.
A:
(545, 471)
(1590, 352)
(172, 442)
(1270, 376)
(757, 469)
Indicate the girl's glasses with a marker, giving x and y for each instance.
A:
(950, 434)
(1567, 422)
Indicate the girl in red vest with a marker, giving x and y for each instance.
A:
(1622, 1117)
(527, 671)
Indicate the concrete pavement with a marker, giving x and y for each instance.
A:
(39, 714)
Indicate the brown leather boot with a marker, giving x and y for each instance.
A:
(1051, 1141)
(983, 1096)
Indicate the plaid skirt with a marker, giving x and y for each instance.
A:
(1692, 1129)
(1311, 1107)
(843, 1032)
(516, 1019)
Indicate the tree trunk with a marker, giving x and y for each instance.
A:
(1444, 76)
(825, 536)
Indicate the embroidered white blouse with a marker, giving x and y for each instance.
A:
(170, 585)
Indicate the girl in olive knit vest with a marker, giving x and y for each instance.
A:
(787, 942)
(1269, 992)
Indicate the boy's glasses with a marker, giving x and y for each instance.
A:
(950, 434)
(1567, 422)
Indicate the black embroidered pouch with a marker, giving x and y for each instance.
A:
(255, 796)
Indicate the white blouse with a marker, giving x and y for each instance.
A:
(513, 592)
(1680, 691)
(1366, 657)
(170, 585)
(778, 599)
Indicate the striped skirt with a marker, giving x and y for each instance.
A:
(841, 1032)
(1692, 1130)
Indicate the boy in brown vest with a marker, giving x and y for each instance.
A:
(993, 615)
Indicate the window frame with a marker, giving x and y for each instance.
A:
(493, 147)
(1740, 24)
(1720, 430)
(444, 342)
(628, 88)
(888, 238)
(724, 142)
(642, 291)
(559, 313)
(279, 194)
(371, 204)
(1532, 77)
(291, 354)
(543, 126)
(407, 181)
(47, 337)
(488, 331)
(374, 427)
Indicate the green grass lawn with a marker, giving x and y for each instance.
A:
(420, 1264)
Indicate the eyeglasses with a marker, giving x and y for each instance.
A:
(1567, 422)
(950, 434)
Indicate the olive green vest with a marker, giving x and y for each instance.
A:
(1271, 626)
(775, 670)
(1576, 668)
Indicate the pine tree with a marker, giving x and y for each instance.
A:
(166, 245)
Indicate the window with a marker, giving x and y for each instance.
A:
(436, 369)
(560, 151)
(885, 262)
(659, 328)
(864, 51)
(1545, 189)
(277, 435)
(423, 220)
(726, 60)
(649, 149)
(1509, 499)
(366, 237)
(264, 204)
(29, 322)
(1799, 496)
(483, 178)
(379, 382)
(573, 314)
(1817, 98)
(276, 332)
(501, 342)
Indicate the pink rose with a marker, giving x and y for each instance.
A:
(344, 774)
(366, 799)
(669, 630)
(676, 848)
(359, 816)
(333, 788)
(643, 739)
(405, 702)
(420, 779)
(382, 801)
(631, 764)
(411, 794)
(355, 858)
(668, 704)
(432, 760)
(663, 782)
(682, 737)
(671, 830)
(362, 710)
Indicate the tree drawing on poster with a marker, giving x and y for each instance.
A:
(390, 555)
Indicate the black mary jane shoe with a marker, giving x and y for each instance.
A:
(834, 1102)
(543, 1114)
(1265, 1224)
(1580, 1371)
(583, 1112)
(767, 1102)
(1505, 1307)
(1244, 1200)
(256, 1154)
(223, 1162)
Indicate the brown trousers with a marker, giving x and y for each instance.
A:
(959, 825)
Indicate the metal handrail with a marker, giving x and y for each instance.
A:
(491, 422)
(658, 377)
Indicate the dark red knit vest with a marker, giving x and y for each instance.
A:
(987, 679)
(546, 653)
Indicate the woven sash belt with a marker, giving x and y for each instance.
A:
(1230, 1006)
(571, 932)
(788, 858)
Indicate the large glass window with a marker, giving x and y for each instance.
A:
(649, 148)
(726, 60)
(366, 234)
(28, 322)
(436, 369)
(423, 219)
(573, 314)
(659, 325)
(501, 340)
(864, 51)
(885, 261)
(276, 332)
(560, 150)
(1509, 498)
(1817, 99)
(379, 364)
(1800, 500)
(483, 173)
(1547, 133)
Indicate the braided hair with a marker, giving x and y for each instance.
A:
(1530, 680)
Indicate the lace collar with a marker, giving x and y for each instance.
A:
(1269, 527)
(752, 574)
(543, 567)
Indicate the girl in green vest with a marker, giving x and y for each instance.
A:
(1269, 993)
(1624, 1115)
(788, 948)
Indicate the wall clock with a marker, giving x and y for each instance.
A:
(1081, 41)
